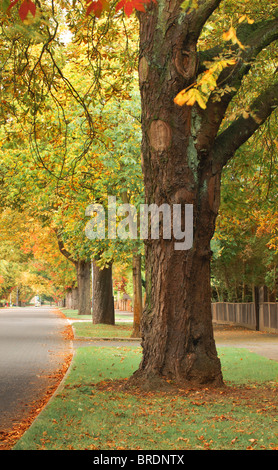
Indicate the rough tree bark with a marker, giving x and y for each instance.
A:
(84, 287)
(103, 301)
(182, 163)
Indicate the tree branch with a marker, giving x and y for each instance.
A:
(243, 128)
(255, 38)
(200, 16)
(63, 250)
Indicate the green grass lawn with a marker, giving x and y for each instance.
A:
(91, 410)
(88, 330)
(73, 314)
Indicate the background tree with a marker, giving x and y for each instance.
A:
(244, 254)
(59, 175)
(30, 262)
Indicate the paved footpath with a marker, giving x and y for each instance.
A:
(32, 349)
(259, 342)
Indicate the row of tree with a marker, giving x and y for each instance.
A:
(244, 246)
(55, 164)
(74, 132)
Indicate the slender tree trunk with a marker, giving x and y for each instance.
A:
(218, 294)
(103, 301)
(118, 299)
(137, 295)
(84, 287)
(177, 333)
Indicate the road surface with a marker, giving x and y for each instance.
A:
(32, 349)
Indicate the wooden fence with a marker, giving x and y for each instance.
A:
(256, 316)
(269, 317)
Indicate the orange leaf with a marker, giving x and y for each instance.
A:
(25, 7)
(130, 5)
(97, 6)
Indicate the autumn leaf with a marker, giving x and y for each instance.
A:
(230, 35)
(130, 5)
(97, 7)
(26, 7)
(201, 90)
(245, 17)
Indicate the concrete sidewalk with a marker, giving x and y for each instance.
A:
(259, 342)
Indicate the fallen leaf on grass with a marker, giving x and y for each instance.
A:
(184, 439)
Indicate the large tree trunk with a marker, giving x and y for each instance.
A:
(103, 301)
(84, 287)
(177, 333)
(137, 295)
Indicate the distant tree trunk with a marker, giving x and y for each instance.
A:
(84, 287)
(68, 298)
(74, 298)
(103, 301)
(82, 294)
(137, 295)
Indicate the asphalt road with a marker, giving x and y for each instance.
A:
(32, 348)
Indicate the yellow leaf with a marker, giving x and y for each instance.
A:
(231, 62)
(230, 34)
(191, 101)
(201, 102)
(181, 98)
(242, 18)
(245, 115)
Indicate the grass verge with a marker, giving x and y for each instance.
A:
(73, 314)
(88, 330)
(93, 410)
